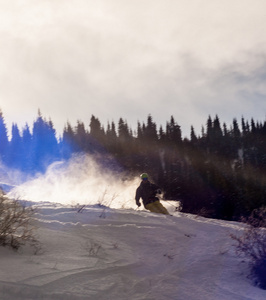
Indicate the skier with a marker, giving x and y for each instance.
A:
(147, 191)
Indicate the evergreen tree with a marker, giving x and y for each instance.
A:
(96, 136)
(44, 144)
(15, 149)
(27, 150)
(209, 134)
(139, 132)
(225, 130)
(111, 131)
(173, 132)
(52, 141)
(81, 137)
(111, 138)
(193, 137)
(123, 131)
(253, 126)
(68, 145)
(217, 133)
(4, 144)
(150, 132)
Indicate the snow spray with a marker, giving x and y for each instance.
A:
(80, 180)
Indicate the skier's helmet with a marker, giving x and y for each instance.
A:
(144, 176)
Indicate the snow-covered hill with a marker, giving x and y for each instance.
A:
(112, 251)
(104, 253)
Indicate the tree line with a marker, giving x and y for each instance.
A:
(219, 173)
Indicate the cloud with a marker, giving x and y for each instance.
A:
(129, 59)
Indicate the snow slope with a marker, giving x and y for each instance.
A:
(107, 253)
(112, 251)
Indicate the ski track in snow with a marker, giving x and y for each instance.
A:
(103, 253)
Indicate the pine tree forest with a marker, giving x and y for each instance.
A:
(220, 173)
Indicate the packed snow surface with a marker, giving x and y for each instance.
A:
(107, 253)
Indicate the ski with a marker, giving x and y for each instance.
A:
(81, 208)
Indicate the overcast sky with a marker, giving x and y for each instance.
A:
(132, 58)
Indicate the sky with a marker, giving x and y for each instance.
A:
(128, 59)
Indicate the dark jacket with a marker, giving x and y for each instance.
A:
(147, 191)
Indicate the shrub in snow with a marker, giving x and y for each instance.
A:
(16, 228)
(252, 244)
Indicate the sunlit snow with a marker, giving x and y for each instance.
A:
(103, 253)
